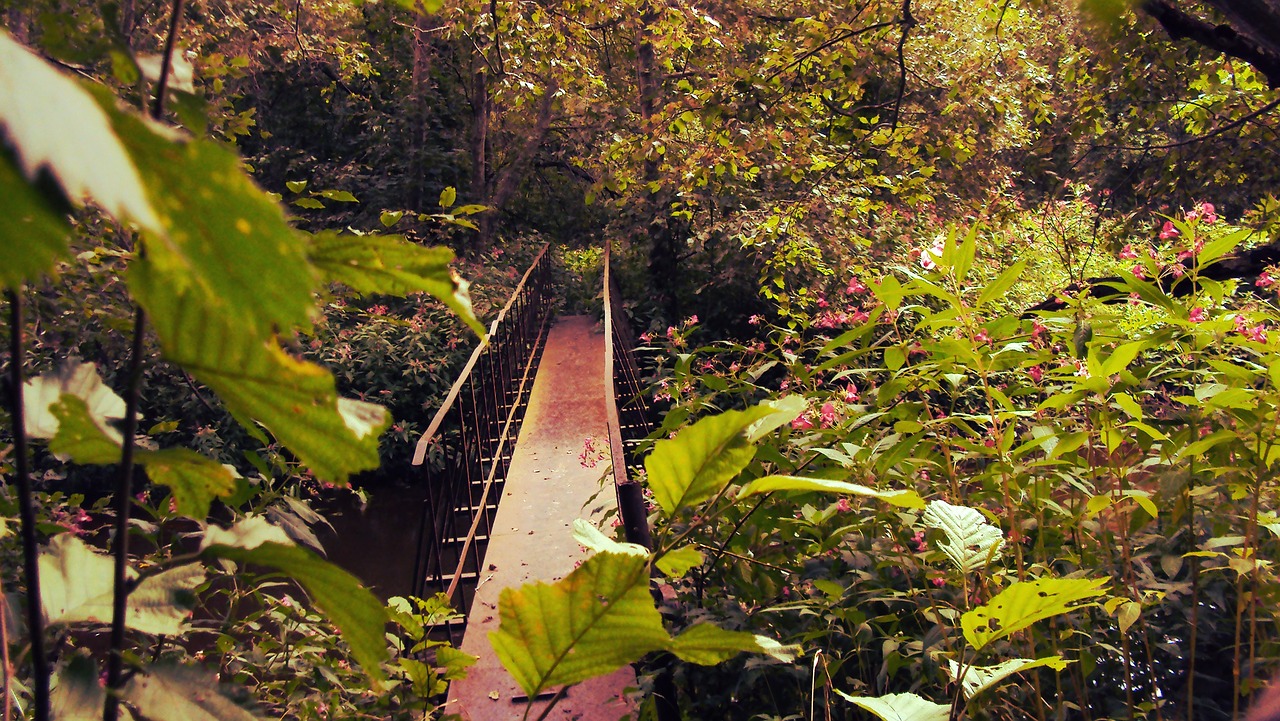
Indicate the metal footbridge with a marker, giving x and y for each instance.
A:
(514, 455)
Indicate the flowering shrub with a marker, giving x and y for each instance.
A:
(1133, 444)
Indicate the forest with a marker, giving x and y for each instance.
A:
(959, 319)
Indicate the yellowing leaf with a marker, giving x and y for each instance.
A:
(1026, 602)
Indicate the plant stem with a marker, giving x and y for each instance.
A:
(124, 501)
(26, 510)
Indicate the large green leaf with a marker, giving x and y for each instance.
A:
(357, 613)
(703, 458)
(980, 678)
(770, 484)
(259, 382)
(53, 124)
(972, 542)
(900, 707)
(169, 692)
(76, 587)
(593, 621)
(395, 266)
(227, 246)
(1026, 602)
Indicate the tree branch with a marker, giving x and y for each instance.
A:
(1223, 38)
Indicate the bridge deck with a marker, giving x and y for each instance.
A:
(546, 489)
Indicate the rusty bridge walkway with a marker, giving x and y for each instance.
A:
(540, 413)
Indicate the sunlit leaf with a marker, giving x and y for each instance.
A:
(53, 124)
(900, 707)
(357, 613)
(708, 644)
(972, 542)
(340, 196)
(595, 620)
(81, 381)
(247, 533)
(704, 457)
(169, 691)
(676, 563)
(76, 586)
(76, 694)
(1025, 603)
(980, 678)
(81, 439)
(586, 533)
(770, 484)
(448, 196)
(193, 479)
(260, 383)
(393, 265)
(228, 246)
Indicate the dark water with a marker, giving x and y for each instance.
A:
(376, 543)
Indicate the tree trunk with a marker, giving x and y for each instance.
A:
(512, 175)
(662, 249)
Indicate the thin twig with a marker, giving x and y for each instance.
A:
(26, 509)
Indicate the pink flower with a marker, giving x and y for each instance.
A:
(1035, 373)
(1197, 315)
(982, 337)
(1168, 231)
(1208, 214)
(754, 320)
(1139, 272)
(1257, 334)
(802, 423)
(918, 539)
(1135, 299)
(692, 319)
(377, 310)
(855, 287)
(843, 505)
(851, 393)
(1265, 280)
(1127, 253)
(828, 415)
(939, 581)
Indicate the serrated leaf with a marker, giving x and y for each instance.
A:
(454, 662)
(448, 196)
(166, 690)
(81, 381)
(1025, 603)
(259, 383)
(770, 484)
(393, 266)
(980, 678)
(708, 644)
(676, 563)
(77, 587)
(228, 246)
(53, 124)
(33, 229)
(972, 542)
(193, 479)
(357, 613)
(595, 620)
(703, 458)
(586, 533)
(900, 707)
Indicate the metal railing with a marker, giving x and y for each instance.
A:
(476, 427)
(626, 408)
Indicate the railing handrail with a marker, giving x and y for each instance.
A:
(631, 503)
(424, 441)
